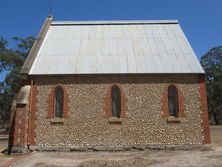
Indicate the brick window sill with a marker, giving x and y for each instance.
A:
(172, 119)
(57, 120)
(115, 120)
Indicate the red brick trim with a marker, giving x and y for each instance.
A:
(204, 110)
(51, 102)
(108, 102)
(32, 115)
(19, 128)
(165, 107)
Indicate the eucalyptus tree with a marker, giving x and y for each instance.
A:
(11, 61)
(212, 64)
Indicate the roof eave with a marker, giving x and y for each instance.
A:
(195, 73)
(36, 46)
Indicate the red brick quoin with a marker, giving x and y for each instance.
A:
(165, 107)
(33, 117)
(108, 102)
(51, 102)
(204, 110)
(20, 126)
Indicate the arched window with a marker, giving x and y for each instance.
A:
(116, 101)
(59, 96)
(173, 103)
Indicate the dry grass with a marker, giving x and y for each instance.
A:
(46, 165)
(132, 162)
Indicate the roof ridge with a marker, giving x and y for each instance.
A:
(114, 22)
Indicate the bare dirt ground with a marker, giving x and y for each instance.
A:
(149, 158)
(124, 159)
(3, 145)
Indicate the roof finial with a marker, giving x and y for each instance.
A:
(50, 11)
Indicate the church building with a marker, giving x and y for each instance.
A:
(110, 84)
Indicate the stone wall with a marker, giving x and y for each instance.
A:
(143, 123)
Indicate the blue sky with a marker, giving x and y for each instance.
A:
(201, 20)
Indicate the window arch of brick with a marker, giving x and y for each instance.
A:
(108, 101)
(165, 101)
(52, 102)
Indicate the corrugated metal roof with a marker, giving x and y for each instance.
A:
(115, 47)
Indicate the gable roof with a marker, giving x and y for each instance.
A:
(112, 47)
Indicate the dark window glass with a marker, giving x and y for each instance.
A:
(58, 102)
(173, 101)
(116, 101)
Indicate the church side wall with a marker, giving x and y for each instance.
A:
(143, 123)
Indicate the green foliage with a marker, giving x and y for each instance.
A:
(11, 61)
(212, 63)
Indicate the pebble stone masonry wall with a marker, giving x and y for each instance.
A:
(143, 124)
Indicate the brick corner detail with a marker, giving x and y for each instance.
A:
(204, 110)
